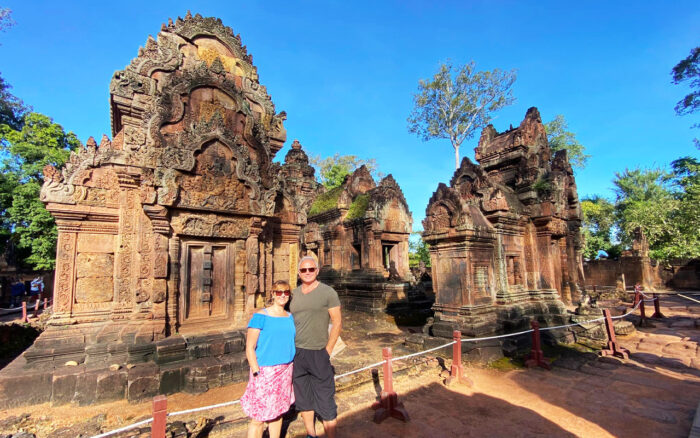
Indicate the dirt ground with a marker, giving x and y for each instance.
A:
(653, 394)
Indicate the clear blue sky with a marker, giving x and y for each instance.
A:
(345, 71)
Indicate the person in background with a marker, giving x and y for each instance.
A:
(17, 291)
(37, 286)
(314, 305)
(270, 351)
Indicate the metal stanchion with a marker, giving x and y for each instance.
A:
(457, 370)
(388, 404)
(536, 358)
(614, 348)
(160, 414)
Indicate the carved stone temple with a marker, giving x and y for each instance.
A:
(170, 234)
(359, 233)
(504, 236)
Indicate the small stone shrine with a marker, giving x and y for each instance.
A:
(359, 233)
(504, 237)
(171, 233)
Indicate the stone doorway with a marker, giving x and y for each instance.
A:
(207, 284)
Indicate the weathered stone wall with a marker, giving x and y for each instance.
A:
(680, 274)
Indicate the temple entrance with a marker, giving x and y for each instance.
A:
(206, 284)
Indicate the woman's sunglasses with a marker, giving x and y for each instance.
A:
(279, 293)
(305, 270)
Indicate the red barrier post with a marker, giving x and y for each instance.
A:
(24, 311)
(36, 308)
(457, 370)
(45, 303)
(536, 358)
(614, 348)
(388, 404)
(657, 308)
(160, 415)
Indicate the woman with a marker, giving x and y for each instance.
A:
(270, 351)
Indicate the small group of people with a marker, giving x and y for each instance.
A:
(289, 356)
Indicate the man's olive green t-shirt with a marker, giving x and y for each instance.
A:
(311, 316)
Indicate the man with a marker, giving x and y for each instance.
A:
(314, 305)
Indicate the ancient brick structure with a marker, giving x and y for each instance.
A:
(504, 236)
(170, 234)
(359, 232)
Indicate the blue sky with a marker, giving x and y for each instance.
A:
(345, 71)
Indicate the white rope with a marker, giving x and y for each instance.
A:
(123, 429)
(421, 352)
(688, 298)
(203, 408)
(374, 365)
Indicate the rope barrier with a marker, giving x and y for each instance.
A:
(377, 364)
(688, 298)
(124, 429)
(204, 408)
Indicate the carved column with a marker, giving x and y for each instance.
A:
(63, 295)
(252, 259)
(173, 295)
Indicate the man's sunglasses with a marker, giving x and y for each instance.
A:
(279, 293)
(305, 270)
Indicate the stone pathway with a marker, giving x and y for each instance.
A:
(654, 394)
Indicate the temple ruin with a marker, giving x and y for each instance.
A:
(170, 234)
(359, 233)
(504, 236)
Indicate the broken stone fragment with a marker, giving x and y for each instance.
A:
(114, 367)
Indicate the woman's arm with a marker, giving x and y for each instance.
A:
(251, 340)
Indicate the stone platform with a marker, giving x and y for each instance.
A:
(63, 366)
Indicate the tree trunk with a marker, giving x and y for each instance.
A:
(456, 157)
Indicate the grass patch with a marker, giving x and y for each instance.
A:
(358, 207)
(326, 201)
(506, 364)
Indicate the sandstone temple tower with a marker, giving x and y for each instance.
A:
(170, 234)
(505, 235)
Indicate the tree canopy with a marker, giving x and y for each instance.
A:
(25, 220)
(457, 101)
(418, 250)
(560, 138)
(598, 225)
(688, 70)
(333, 170)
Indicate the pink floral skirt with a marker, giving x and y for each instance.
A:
(269, 395)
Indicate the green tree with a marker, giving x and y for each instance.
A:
(688, 70)
(418, 250)
(598, 224)
(644, 200)
(39, 142)
(333, 170)
(458, 101)
(685, 235)
(560, 138)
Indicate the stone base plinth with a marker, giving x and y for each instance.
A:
(113, 364)
(370, 292)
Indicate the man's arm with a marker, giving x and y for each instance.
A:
(337, 323)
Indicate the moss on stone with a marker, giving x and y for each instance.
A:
(326, 201)
(358, 207)
(506, 364)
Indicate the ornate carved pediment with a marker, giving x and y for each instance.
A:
(210, 225)
(444, 210)
(495, 200)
